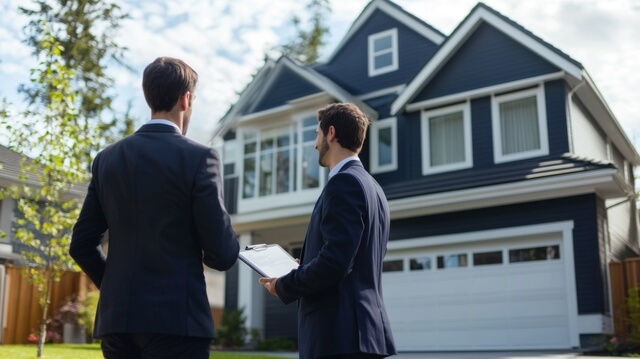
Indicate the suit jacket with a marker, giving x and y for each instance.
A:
(160, 196)
(338, 285)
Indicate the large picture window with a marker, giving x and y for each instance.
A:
(383, 52)
(446, 139)
(280, 160)
(519, 125)
(384, 145)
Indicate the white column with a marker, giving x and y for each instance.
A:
(7, 207)
(250, 292)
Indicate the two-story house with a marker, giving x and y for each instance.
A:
(510, 181)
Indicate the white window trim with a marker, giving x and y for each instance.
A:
(391, 123)
(427, 169)
(498, 157)
(394, 52)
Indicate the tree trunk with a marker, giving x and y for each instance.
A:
(43, 337)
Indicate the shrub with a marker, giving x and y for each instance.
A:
(276, 344)
(232, 331)
(87, 311)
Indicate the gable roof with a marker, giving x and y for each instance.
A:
(482, 13)
(395, 12)
(256, 90)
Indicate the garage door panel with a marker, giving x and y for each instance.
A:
(519, 305)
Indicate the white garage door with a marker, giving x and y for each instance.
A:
(508, 294)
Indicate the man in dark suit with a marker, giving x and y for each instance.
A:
(159, 195)
(341, 313)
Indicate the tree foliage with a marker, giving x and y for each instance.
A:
(306, 45)
(64, 124)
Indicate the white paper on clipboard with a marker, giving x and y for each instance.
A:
(269, 260)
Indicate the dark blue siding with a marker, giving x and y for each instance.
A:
(231, 288)
(487, 58)
(349, 67)
(481, 132)
(555, 98)
(281, 321)
(287, 86)
(581, 209)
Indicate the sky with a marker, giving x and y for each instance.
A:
(225, 42)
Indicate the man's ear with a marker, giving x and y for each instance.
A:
(331, 133)
(184, 100)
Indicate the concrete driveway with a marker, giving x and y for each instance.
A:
(474, 355)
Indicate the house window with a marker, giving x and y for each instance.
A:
(519, 125)
(383, 52)
(280, 160)
(534, 254)
(419, 264)
(485, 258)
(452, 261)
(396, 265)
(384, 146)
(446, 139)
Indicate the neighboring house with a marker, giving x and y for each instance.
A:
(510, 181)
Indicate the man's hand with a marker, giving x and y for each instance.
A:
(269, 284)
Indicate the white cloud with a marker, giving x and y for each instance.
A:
(224, 40)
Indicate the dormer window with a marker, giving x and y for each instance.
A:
(519, 125)
(383, 52)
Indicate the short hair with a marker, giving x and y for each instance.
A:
(349, 122)
(165, 80)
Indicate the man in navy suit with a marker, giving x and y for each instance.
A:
(341, 313)
(159, 195)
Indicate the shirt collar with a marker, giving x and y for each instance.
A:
(340, 164)
(162, 122)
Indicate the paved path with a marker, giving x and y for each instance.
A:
(472, 355)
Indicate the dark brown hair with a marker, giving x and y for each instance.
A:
(165, 80)
(349, 122)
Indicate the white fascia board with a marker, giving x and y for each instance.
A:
(484, 91)
(479, 236)
(272, 218)
(327, 85)
(395, 13)
(383, 92)
(516, 192)
(612, 126)
(458, 38)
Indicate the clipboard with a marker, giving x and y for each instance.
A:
(269, 260)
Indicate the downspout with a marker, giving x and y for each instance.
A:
(568, 113)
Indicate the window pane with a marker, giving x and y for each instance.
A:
(519, 126)
(282, 179)
(382, 43)
(534, 254)
(309, 135)
(393, 266)
(249, 178)
(446, 139)
(266, 174)
(484, 258)
(310, 121)
(452, 261)
(310, 168)
(423, 263)
(283, 140)
(384, 146)
(229, 169)
(383, 60)
(266, 144)
(249, 147)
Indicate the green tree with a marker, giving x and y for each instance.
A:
(65, 122)
(306, 45)
(86, 31)
(49, 132)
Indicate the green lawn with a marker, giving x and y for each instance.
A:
(91, 351)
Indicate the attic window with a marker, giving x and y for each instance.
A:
(383, 52)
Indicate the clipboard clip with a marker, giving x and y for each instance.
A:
(256, 247)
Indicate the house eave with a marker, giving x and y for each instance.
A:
(607, 183)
